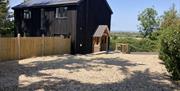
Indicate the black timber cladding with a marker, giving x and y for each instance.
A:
(83, 18)
(91, 14)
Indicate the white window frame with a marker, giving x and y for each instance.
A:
(61, 12)
(27, 14)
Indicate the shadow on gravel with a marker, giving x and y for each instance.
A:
(74, 64)
(138, 81)
(9, 75)
(145, 53)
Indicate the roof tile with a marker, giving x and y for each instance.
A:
(32, 3)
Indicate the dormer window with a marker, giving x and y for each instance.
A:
(27, 14)
(61, 12)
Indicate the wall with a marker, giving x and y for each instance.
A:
(25, 47)
(98, 14)
(53, 26)
(91, 14)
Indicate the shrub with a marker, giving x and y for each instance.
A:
(170, 51)
(136, 45)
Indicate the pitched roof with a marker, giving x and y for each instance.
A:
(100, 31)
(36, 3)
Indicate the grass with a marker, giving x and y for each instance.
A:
(136, 43)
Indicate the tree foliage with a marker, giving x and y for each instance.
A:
(148, 22)
(170, 42)
(167, 36)
(3, 11)
(169, 19)
(6, 25)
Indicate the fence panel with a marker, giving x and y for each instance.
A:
(63, 44)
(48, 45)
(8, 48)
(30, 47)
(24, 47)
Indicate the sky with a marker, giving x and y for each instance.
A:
(125, 12)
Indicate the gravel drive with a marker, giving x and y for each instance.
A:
(93, 72)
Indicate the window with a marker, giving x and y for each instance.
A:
(61, 12)
(27, 14)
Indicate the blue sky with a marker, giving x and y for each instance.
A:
(125, 13)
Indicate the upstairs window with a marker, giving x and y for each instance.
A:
(61, 12)
(27, 14)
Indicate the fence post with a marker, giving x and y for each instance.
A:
(19, 46)
(116, 47)
(43, 45)
(107, 45)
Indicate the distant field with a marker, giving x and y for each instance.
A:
(126, 34)
(119, 37)
(135, 41)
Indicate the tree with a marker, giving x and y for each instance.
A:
(170, 41)
(169, 19)
(148, 22)
(170, 50)
(3, 11)
(6, 25)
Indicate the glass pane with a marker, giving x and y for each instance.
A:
(61, 12)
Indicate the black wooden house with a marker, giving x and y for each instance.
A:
(78, 19)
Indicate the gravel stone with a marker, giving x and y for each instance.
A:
(92, 72)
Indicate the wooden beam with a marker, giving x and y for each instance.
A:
(107, 38)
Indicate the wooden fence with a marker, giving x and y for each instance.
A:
(124, 48)
(25, 47)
